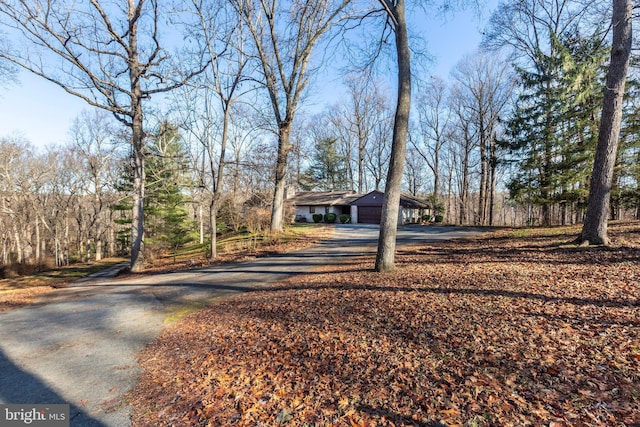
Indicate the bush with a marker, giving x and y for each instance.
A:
(427, 218)
(257, 219)
(345, 219)
(439, 218)
(330, 218)
(14, 270)
(317, 217)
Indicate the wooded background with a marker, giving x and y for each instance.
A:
(508, 138)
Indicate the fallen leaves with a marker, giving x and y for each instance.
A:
(13, 299)
(493, 331)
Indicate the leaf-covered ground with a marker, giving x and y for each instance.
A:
(21, 288)
(513, 329)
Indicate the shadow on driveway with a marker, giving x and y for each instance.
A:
(18, 386)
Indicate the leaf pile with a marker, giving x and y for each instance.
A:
(496, 331)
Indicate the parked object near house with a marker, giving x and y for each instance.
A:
(363, 209)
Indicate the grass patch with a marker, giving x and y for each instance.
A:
(243, 244)
(568, 230)
(176, 314)
(56, 277)
(18, 291)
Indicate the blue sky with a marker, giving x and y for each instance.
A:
(42, 113)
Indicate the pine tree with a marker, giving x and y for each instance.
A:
(328, 170)
(553, 131)
(166, 215)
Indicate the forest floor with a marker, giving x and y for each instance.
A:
(517, 327)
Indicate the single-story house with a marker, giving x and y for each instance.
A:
(308, 203)
(364, 209)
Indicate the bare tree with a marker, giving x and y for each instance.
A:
(377, 152)
(110, 56)
(92, 138)
(284, 37)
(8, 72)
(434, 122)
(216, 91)
(462, 148)
(488, 86)
(594, 230)
(414, 173)
(360, 115)
(15, 208)
(385, 256)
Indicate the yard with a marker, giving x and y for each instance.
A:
(520, 327)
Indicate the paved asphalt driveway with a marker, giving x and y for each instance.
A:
(78, 345)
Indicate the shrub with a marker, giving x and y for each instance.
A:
(345, 219)
(439, 218)
(25, 269)
(317, 217)
(330, 218)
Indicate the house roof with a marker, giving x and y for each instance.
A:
(325, 198)
(409, 201)
(346, 198)
(375, 197)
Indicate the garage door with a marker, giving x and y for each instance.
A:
(369, 214)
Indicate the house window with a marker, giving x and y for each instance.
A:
(312, 209)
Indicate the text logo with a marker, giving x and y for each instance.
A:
(34, 415)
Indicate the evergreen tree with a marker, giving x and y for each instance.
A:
(122, 208)
(166, 215)
(328, 170)
(626, 190)
(553, 130)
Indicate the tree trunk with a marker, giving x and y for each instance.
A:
(65, 239)
(361, 148)
(137, 217)
(18, 243)
(137, 142)
(594, 230)
(213, 214)
(385, 258)
(464, 189)
(37, 227)
(277, 212)
(436, 170)
(215, 201)
(483, 177)
(98, 222)
(201, 220)
(493, 166)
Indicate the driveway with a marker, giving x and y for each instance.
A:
(78, 345)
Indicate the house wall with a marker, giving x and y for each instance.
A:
(306, 212)
(354, 214)
(407, 215)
